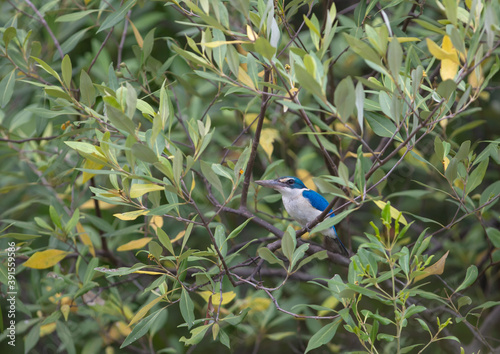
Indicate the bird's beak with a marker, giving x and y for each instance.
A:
(269, 183)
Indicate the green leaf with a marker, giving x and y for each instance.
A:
(264, 48)
(222, 171)
(66, 337)
(486, 305)
(155, 249)
(237, 231)
(345, 98)
(476, 177)
(470, 278)
(319, 255)
(362, 49)
(452, 170)
(119, 120)
(447, 88)
(423, 324)
(117, 16)
(144, 153)
(67, 71)
(7, 88)
(75, 16)
(47, 68)
(9, 34)
(211, 177)
(323, 336)
(87, 89)
(413, 310)
(307, 81)
(54, 216)
(298, 254)
(165, 240)
(395, 57)
(197, 335)
(177, 165)
(331, 221)
(141, 328)
(288, 243)
(382, 126)
(494, 236)
(464, 301)
(451, 9)
(31, 339)
(148, 43)
(360, 101)
(138, 189)
(71, 43)
(187, 308)
(270, 257)
(89, 273)
(20, 237)
(193, 57)
(464, 150)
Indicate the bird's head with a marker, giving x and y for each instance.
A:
(282, 183)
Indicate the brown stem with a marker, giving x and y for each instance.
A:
(256, 140)
(46, 25)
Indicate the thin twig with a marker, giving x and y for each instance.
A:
(122, 42)
(45, 24)
(256, 140)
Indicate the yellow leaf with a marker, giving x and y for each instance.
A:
(47, 329)
(251, 34)
(156, 221)
(131, 215)
(406, 39)
(474, 80)
(413, 160)
(440, 53)
(123, 328)
(179, 236)
(90, 165)
(330, 302)
(447, 45)
(249, 119)
(306, 177)
(245, 79)
(258, 304)
(135, 244)
(216, 44)
(365, 154)
(292, 94)
(226, 297)
(85, 238)
(144, 310)
(394, 212)
(148, 272)
(137, 190)
(267, 137)
(437, 268)
(448, 69)
(90, 204)
(65, 311)
(446, 162)
(137, 35)
(45, 259)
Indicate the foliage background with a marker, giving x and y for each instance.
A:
(131, 132)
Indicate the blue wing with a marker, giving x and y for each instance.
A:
(316, 200)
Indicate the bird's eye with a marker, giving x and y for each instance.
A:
(290, 181)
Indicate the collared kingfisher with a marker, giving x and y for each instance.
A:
(302, 204)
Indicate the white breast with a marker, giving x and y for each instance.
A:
(298, 207)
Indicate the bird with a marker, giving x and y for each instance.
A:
(303, 204)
